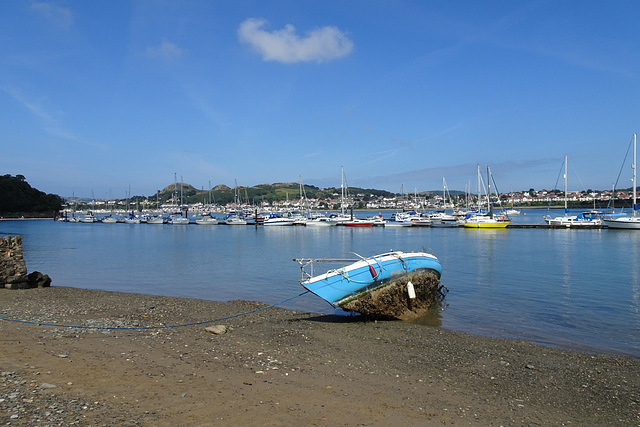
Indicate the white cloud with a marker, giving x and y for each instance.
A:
(50, 123)
(166, 50)
(320, 45)
(61, 16)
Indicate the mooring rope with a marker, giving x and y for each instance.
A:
(152, 327)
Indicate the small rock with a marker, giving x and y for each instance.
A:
(216, 329)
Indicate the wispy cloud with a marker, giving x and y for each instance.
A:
(60, 16)
(320, 45)
(166, 51)
(51, 125)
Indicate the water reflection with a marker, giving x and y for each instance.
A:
(433, 317)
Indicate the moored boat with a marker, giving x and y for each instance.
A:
(234, 219)
(359, 222)
(320, 221)
(156, 219)
(628, 222)
(487, 220)
(399, 219)
(581, 219)
(444, 220)
(132, 219)
(278, 220)
(207, 219)
(399, 285)
(178, 219)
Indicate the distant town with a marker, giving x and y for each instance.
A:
(223, 199)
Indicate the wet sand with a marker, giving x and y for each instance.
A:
(282, 367)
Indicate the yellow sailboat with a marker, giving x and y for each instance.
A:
(486, 220)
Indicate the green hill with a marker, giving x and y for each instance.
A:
(18, 198)
(223, 194)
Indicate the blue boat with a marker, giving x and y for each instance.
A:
(399, 285)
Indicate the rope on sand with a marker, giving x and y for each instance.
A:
(153, 327)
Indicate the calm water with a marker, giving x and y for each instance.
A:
(577, 289)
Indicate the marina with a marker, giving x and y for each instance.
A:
(567, 288)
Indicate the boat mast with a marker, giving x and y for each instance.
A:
(565, 182)
(633, 166)
(479, 192)
(342, 191)
(489, 206)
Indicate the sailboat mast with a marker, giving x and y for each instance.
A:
(489, 206)
(479, 192)
(634, 173)
(342, 190)
(565, 182)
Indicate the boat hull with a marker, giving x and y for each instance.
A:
(627, 223)
(393, 301)
(496, 224)
(351, 287)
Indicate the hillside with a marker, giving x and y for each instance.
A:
(18, 198)
(223, 194)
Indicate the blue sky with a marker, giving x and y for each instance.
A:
(100, 96)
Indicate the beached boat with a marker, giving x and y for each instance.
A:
(401, 285)
(628, 222)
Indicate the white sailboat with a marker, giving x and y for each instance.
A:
(444, 219)
(583, 219)
(512, 210)
(628, 222)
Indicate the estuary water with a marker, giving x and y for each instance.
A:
(568, 288)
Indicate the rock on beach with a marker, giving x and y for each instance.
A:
(13, 270)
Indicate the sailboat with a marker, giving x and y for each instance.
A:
(488, 220)
(583, 219)
(400, 285)
(512, 210)
(443, 219)
(343, 218)
(179, 218)
(628, 222)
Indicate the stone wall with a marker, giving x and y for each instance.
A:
(13, 270)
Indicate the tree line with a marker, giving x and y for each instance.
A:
(18, 198)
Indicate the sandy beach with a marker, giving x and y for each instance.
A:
(281, 367)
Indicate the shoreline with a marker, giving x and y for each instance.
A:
(279, 366)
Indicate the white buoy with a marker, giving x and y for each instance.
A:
(410, 290)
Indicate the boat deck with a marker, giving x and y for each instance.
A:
(557, 227)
